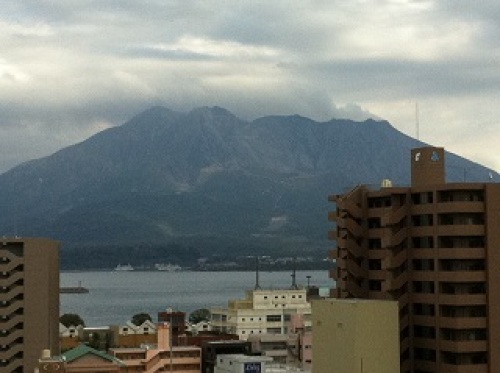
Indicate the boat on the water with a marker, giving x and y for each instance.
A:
(124, 267)
(73, 289)
(167, 267)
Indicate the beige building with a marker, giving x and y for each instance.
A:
(262, 312)
(355, 336)
(29, 301)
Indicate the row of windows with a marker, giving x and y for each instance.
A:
(268, 331)
(427, 197)
(466, 358)
(444, 242)
(426, 309)
(293, 296)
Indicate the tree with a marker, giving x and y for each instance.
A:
(201, 314)
(139, 318)
(71, 319)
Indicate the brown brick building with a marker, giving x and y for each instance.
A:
(29, 302)
(435, 248)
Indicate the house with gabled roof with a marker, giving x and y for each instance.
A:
(80, 359)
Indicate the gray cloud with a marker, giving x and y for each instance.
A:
(71, 68)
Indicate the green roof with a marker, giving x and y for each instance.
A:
(82, 350)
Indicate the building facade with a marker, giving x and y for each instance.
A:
(433, 247)
(262, 312)
(29, 301)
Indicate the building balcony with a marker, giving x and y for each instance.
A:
(391, 240)
(394, 260)
(393, 215)
(461, 230)
(463, 346)
(462, 299)
(393, 283)
(355, 290)
(462, 276)
(452, 368)
(424, 275)
(463, 322)
(350, 245)
(9, 324)
(350, 206)
(460, 206)
(461, 253)
(426, 366)
(332, 235)
(333, 254)
(421, 342)
(356, 270)
(10, 280)
(424, 320)
(12, 336)
(333, 274)
(11, 351)
(352, 226)
(13, 365)
(424, 297)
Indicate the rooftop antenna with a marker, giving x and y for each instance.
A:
(417, 122)
(257, 285)
(294, 276)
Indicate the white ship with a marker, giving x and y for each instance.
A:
(167, 267)
(124, 267)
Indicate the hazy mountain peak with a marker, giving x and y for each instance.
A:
(167, 176)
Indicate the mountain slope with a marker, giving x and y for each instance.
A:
(205, 180)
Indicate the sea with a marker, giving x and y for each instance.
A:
(115, 296)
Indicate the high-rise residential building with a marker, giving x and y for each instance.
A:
(29, 302)
(435, 248)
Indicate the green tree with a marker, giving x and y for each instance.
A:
(139, 318)
(201, 314)
(71, 319)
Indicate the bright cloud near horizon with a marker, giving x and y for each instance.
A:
(71, 68)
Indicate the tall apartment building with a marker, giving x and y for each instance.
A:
(435, 248)
(29, 302)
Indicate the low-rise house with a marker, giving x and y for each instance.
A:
(81, 359)
(69, 337)
(148, 358)
(131, 335)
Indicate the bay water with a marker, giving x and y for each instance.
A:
(115, 296)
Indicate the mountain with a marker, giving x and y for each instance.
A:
(176, 186)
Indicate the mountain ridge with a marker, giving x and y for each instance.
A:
(206, 180)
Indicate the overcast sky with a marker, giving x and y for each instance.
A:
(70, 68)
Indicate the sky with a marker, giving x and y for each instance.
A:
(72, 68)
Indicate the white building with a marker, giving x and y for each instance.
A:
(261, 312)
(241, 364)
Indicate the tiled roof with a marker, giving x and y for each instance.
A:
(82, 350)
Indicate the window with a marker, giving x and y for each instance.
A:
(273, 318)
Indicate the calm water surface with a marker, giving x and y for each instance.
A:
(115, 297)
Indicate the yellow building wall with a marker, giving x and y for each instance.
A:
(354, 335)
